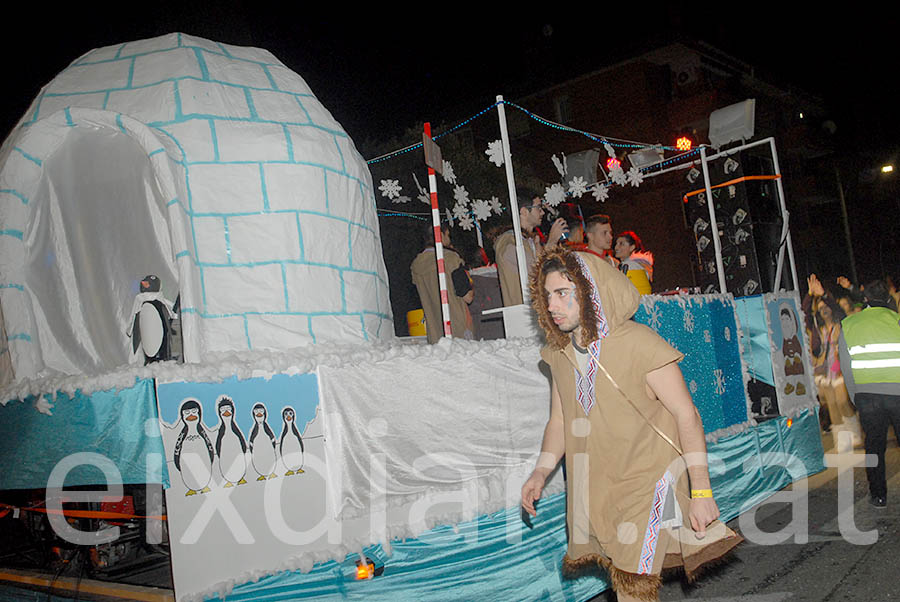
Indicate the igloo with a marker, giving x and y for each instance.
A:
(214, 167)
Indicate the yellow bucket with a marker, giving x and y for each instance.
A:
(415, 321)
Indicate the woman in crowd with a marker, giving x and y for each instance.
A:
(635, 261)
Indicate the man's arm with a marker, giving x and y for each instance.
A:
(667, 385)
(552, 449)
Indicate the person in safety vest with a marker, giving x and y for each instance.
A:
(869, 348)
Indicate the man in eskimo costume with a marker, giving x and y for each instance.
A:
(622, 416)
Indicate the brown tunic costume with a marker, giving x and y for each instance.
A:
(508, 264)
(628, 489)
(425, 277)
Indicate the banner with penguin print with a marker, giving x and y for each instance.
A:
(791, 365)
(246, 462)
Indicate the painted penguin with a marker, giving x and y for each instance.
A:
(262, 444)
(230, 445)
(290, 445)
(193, 451)
(150, 325)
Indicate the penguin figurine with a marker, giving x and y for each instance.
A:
(230, 445)
(290, 445)
(193, 451)
(262, 444)
(150, 325)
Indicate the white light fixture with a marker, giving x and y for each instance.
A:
(732, 123)
(646, 156)
(887, 169)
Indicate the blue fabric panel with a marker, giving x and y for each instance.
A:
(119, 425)
(707, 334)
(442, 565)
(751, 312)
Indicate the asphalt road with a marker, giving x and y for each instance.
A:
(821, 566)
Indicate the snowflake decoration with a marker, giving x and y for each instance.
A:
(390, 188)
(577, 187)
(460, 211)
(447, 172)
(554, 195)
(466, 222)
(727, 334)
(481, 209)
(720, 381)
(449, 216)
(654, 317)
(634, 177)
(402, 199)
(609, 150)
(693, 387)
(496, 206)
(600, 192)
(460, 194)
(689, 320)
(561, 167)
(423, 195)
(495, 153)
(618, 176)
(707, 337)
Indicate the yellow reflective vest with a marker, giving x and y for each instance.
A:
(873, 340)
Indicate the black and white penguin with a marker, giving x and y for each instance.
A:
(262, 444)
(230, 445)
(290, 445)
(193, 451)
(150, 325)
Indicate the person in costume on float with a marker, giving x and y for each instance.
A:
(598, 230)
(459, 287)
(635, 261)
(869, 349)
(531, 212)
(622, 416)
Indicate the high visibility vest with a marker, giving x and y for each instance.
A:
(873, 339)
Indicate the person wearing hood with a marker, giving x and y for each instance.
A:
(639, 496)
(635, 261)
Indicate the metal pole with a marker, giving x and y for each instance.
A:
(438, 246)
(837, 175)
(513, 203)
(714, 225)
(787, 238)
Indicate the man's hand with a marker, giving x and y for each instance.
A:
(702, 512)
(556, 231)
(815, 287)
(844, 282)
(469, 297)
(531, 491)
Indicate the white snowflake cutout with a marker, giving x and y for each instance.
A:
(577, 187)
(609, 150)
(618, 176)
(449, 216)
(390, 188)
(654, 315)
(600, 192)
(554, 195)
(634, 177)
(707, 337)
(495, 152)
(460, 211)
(402, 199)
(689, 320)
(560, 165)
(727, 333)
(481, 209)
(447, 172)
(496, 205)
(720, 381)
(423, 195)
(460, 194)
(693, 387)
(466, 222)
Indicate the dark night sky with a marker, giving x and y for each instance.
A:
(378, 75)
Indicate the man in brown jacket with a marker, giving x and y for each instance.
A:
(425, 277)
(623, 417)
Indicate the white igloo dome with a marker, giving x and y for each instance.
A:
(212, 166)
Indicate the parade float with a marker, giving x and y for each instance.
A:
(298, 449)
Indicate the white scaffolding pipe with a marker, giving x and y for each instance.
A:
(713, 224)
(786, 239)
(513, 202)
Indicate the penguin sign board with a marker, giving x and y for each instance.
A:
(150, 324)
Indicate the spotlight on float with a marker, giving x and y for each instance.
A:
(730, 166)
(693, 175)
(732, 123)
(887, 169)
(646, 157)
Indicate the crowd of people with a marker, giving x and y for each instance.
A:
(854, 336)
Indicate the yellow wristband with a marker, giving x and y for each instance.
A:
(695, 493)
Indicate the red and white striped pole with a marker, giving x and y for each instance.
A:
(438, 246)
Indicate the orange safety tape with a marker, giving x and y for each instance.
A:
(730, 182)
(85, 513)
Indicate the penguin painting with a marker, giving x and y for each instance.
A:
(150, 325)
(193, 451)
(262, 444)
(290, 445)
(230, 445)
